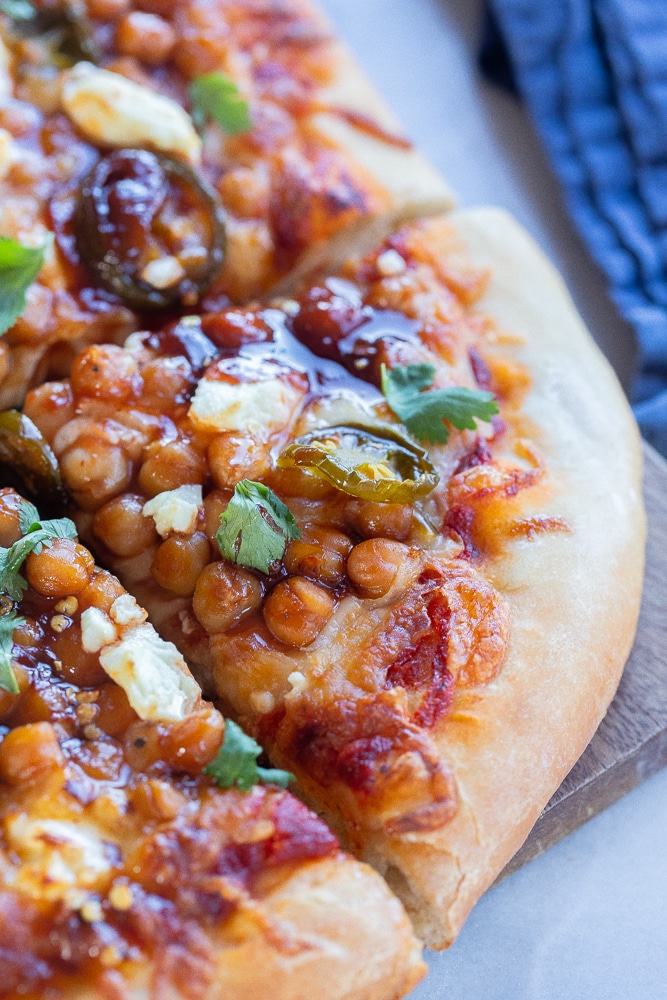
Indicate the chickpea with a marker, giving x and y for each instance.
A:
(297, 610)
(214, 504)
(123, 528)
(147, 37)
(50, 406)
(296, 483)
(10, 525)
(233, 457)
(61, 568)
(319, 554)
(101, 592)
(225, 594)
(168, 466)
(105, 372)
(78, 666)
(142, 744)
(193, 743)
(31, 753)
(166, 381)
(95, 470)
(388, 520)
(115, 714)
(372, 565)
(179, 562)
(185, 746)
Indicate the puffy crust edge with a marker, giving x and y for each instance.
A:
(574, 596)
(409, 185)
(346, 938)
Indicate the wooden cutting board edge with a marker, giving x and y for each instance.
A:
(631, 742)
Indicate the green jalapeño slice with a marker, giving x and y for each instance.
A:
(371, 463)
(27, 462)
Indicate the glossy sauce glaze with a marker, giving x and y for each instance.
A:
(391, 590)
(116, 850)
(281, 187)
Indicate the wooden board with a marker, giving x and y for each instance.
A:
(631, 743)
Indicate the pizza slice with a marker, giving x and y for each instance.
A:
(419, 606)
(124, 871)
(198, 152)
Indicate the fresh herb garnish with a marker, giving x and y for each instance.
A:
(8, 622)
(36, 534)
(255, 527)
(236, 763)
(216, 96)
(424, 413)
(19, 266)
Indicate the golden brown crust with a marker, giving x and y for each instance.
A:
(124, 872)
(411, 188)
(332, 929)
(431, 724)
(322, 172)
(574, 595)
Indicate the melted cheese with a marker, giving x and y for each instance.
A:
(61, 860)
(114, 111)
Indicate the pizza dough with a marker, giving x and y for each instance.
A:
(124, 871)
(429, 722)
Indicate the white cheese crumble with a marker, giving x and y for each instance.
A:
(390, 263)
(114, 111)
(96, 630)
(60, 857)
(163, 272)
(175, 510)
(126, 611)
(297, 680)
(153, 675)
(260, 408)
(262, 702)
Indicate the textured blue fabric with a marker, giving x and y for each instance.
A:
(594, 76)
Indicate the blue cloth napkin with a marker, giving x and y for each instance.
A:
(594, 75)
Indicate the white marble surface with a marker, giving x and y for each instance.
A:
(588, 919)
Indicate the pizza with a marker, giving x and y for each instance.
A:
(181, 154)
(426, 635)
(124, 869)
(359, 462)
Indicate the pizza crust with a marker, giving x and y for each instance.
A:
(572, 592)
(331, 929)
(574, 595)
(411, 187)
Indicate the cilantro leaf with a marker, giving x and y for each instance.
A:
(424, 413)
(28, 516)
(19, 266)
(236, 762)
(216, 96)
(255, 527)
(8, 622)
(36, 534)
